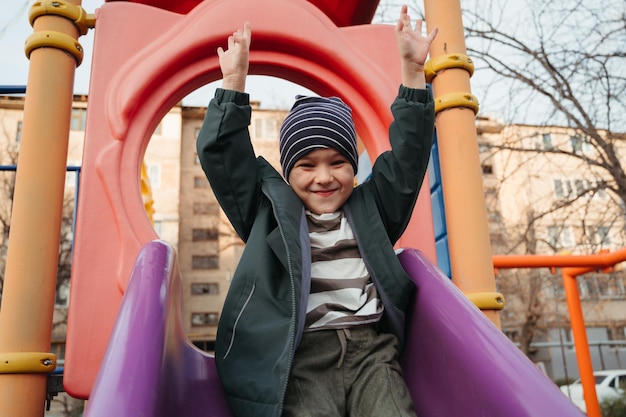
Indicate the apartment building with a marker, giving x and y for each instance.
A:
(544, 200)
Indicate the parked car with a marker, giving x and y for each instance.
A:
(609, 384)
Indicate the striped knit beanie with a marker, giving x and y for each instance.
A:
(314, 123)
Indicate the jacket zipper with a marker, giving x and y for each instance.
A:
(232, 338)
(292, 335)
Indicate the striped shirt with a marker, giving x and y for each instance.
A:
(342, 293)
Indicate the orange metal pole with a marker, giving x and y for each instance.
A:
(548, 261)
(465, 208)
(583, 355)
(31, 264)
(573, 266)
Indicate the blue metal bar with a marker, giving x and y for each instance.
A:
(71, 168)
(12, 89)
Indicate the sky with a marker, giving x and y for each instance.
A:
(15, 29)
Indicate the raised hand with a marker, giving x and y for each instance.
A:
(235, 61)
(413, 49)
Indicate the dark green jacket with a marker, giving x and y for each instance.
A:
(263, 315)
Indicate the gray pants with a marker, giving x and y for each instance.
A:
(347, 372)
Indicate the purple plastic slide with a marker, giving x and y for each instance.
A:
(456, 362)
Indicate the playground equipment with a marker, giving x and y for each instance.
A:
(145, 60)
(572, 267)
(151, 369)
(158, 69)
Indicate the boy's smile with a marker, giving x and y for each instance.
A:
(323, 179)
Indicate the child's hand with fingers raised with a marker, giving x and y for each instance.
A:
(235, 61)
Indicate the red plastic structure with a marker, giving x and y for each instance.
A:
(145, 60)
(341, 12)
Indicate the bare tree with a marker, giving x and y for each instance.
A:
(556, 67)
(7, 187)
(550, 64)
(552, 74)
(557, 63)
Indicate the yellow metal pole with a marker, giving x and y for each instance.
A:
(461, 175)
(31, 265)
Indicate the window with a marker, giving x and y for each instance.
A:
(560, 237)
(18, 133)
(599, 187)
(200, 182)
(602, 287)
(483, 147)
(497, 240)
(572, 188)
(206, 345)
(558, 188)
(204, 288)
(568, 188)
(199, 235)
(580, 187)
(487, 169)
(154, 175)
(602, 235)
(598, 235)
(577, 144)
(78, 119)
(547, 141)
(205, 208)
(602, 194)
(491, 199)
(204, 262)
(567, 237)
(553, 236)
(615, 287)
(266, 128)
(204, 319)
(617, 333)
(587, 288)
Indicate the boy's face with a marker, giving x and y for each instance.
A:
(323, 179)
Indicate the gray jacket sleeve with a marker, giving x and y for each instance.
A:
(227, 158)
(397, 175)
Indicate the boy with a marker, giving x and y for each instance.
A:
(314, 317)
